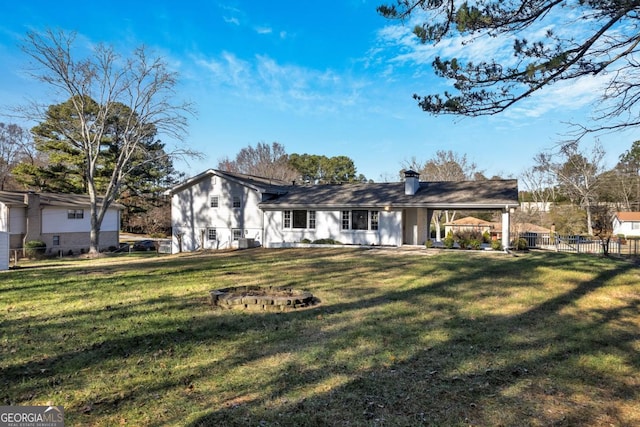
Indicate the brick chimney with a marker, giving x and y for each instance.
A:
(34, 222)
(411, 182)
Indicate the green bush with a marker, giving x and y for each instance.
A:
(465, 237)
(428, 244)
(486, 237)
(35, 249)
(496, 245)
(305, 241)
(520, 244)
(448, 241)
(327, 242)
(475, 244)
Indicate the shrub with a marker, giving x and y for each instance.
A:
(486, 237)
(448, 241)
(475, 244)
(428, 244)
(520, 244)
(327, 242)
(464, 238)
(496, 245)
(305, 241)
(35, 249)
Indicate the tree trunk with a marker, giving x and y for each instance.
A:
(589, 223)
(94, 235)
(436, 220)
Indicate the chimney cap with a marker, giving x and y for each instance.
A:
(411, 173)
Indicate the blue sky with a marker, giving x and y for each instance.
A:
(331, 78)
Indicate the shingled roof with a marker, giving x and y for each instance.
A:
(17, 199)
(628, 216)
(436, 195)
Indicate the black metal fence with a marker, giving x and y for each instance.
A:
(581, 244)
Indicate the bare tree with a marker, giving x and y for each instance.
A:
(14, 145)
(602, 226)
(541, 185)
(97, 84)
(576, 173)
(268, 161)
(444, 166)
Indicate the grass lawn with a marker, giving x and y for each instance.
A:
(398, 339)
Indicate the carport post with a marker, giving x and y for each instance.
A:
(506, 226)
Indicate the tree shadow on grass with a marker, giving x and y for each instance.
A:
(356, 361)
(525, 369)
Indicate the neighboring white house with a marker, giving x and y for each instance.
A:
(61, 221)
(627, 224)
(217, 210)
(4, 250)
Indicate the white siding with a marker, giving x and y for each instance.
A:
(329, 226)
(55, 220)
(192, 214)
(4, 217)
(626, 228)
(4, 250)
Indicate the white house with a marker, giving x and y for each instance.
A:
(216, 210)
(61, 221)
(627, 224)
(4, 250)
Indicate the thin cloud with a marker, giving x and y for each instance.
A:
(563, 96)
(263, 30)
(286, 87)
(231, 15)
(231, 20)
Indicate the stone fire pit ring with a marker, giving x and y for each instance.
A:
(262, 298)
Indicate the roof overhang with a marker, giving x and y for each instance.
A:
(390, 206)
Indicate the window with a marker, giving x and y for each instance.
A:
(237, 234)
(75, 213)
(212, 234)
(287, 219)
(237, 202)
(214, 202)
(374, 220)
(635, 225)
(56, 240)
(299, 219)
(359, 220)
(345, 220)
(312, 219)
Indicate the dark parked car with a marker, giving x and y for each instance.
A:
(144, 245)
